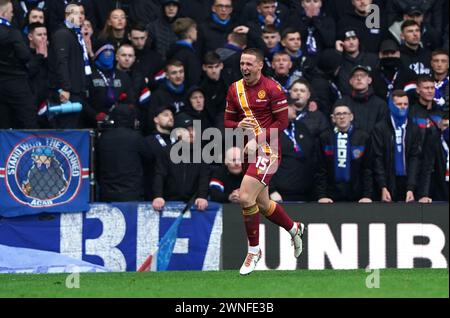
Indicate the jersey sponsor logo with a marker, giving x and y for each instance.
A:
(262, 94)
(44, 171)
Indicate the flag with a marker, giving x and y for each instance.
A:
(144, 96)
(160, 75)
(159, 261)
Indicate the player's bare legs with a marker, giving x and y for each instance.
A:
(249, 191)
(275, 213)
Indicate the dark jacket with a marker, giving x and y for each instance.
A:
(212, 35)
(14, 54)
(162, 35)
(432, 182)
(144, 11)
(38, 71)
(383, 142)
(360, 185)
(223, 183)
(66, 67)
(294, 178)
(382, 77)
(180, 181)
(148, 62)
(367, 108)
(191, 62)
(120, 151)
(418, 61)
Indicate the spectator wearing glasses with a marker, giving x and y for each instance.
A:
(344, 172)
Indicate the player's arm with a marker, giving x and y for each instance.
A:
(231, 119)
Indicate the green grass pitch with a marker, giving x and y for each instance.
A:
(228, 284)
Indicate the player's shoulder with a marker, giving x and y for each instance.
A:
(271, 84)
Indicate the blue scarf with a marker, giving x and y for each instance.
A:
(296, 55)
(5, 22)
(399, 119)
(342, 155)
(219, 21)
(233, 47)
(87, 65)
(185, 43)
(173, 88)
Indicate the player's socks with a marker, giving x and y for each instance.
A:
(294, 229)
(254, 249)
(251, 221)
(278, 215)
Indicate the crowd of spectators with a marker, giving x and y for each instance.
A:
(367, 88)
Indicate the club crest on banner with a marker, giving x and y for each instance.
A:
(43, 171)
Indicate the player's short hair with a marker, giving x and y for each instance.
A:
(424, 79)
(409, 23)
(173, 62)
(211, 58)
(33, 26)
(439, 52)
(255, 52)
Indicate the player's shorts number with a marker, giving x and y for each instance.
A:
(261, 163)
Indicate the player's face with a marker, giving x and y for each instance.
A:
(175, 74)
(426, 91)
(197, 101)
(125, 58)
(250, 68)
(439, 63)
(213, 70)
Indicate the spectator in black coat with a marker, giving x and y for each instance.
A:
(69, 67)
(183, 50)
(160, 30)
(414, 56)
(196, 107)
(396, 152)
(348, 44)
(56, 9)
(282, 70)
(17, 109)
(439, 65)
(107, 86)
(264, 13)
(392, 73)
(120, 151)
(294, 178)
(317, 29)
(344, 166)
(367, 108)
(435, 173)
(34, 15)
(226, 180)
(292, 42)
(230, 55)
(181, 181)
(369, 37)
(28, 11)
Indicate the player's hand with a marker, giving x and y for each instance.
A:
(426, 200)
(385, 195)
(201, 204)
(365, 200)
(409, 197)
(158, 204)
(276, 196)
(340, 45)
(247, 123)
(251, 148)
(325, 200)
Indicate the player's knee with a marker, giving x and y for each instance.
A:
(245, 200)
